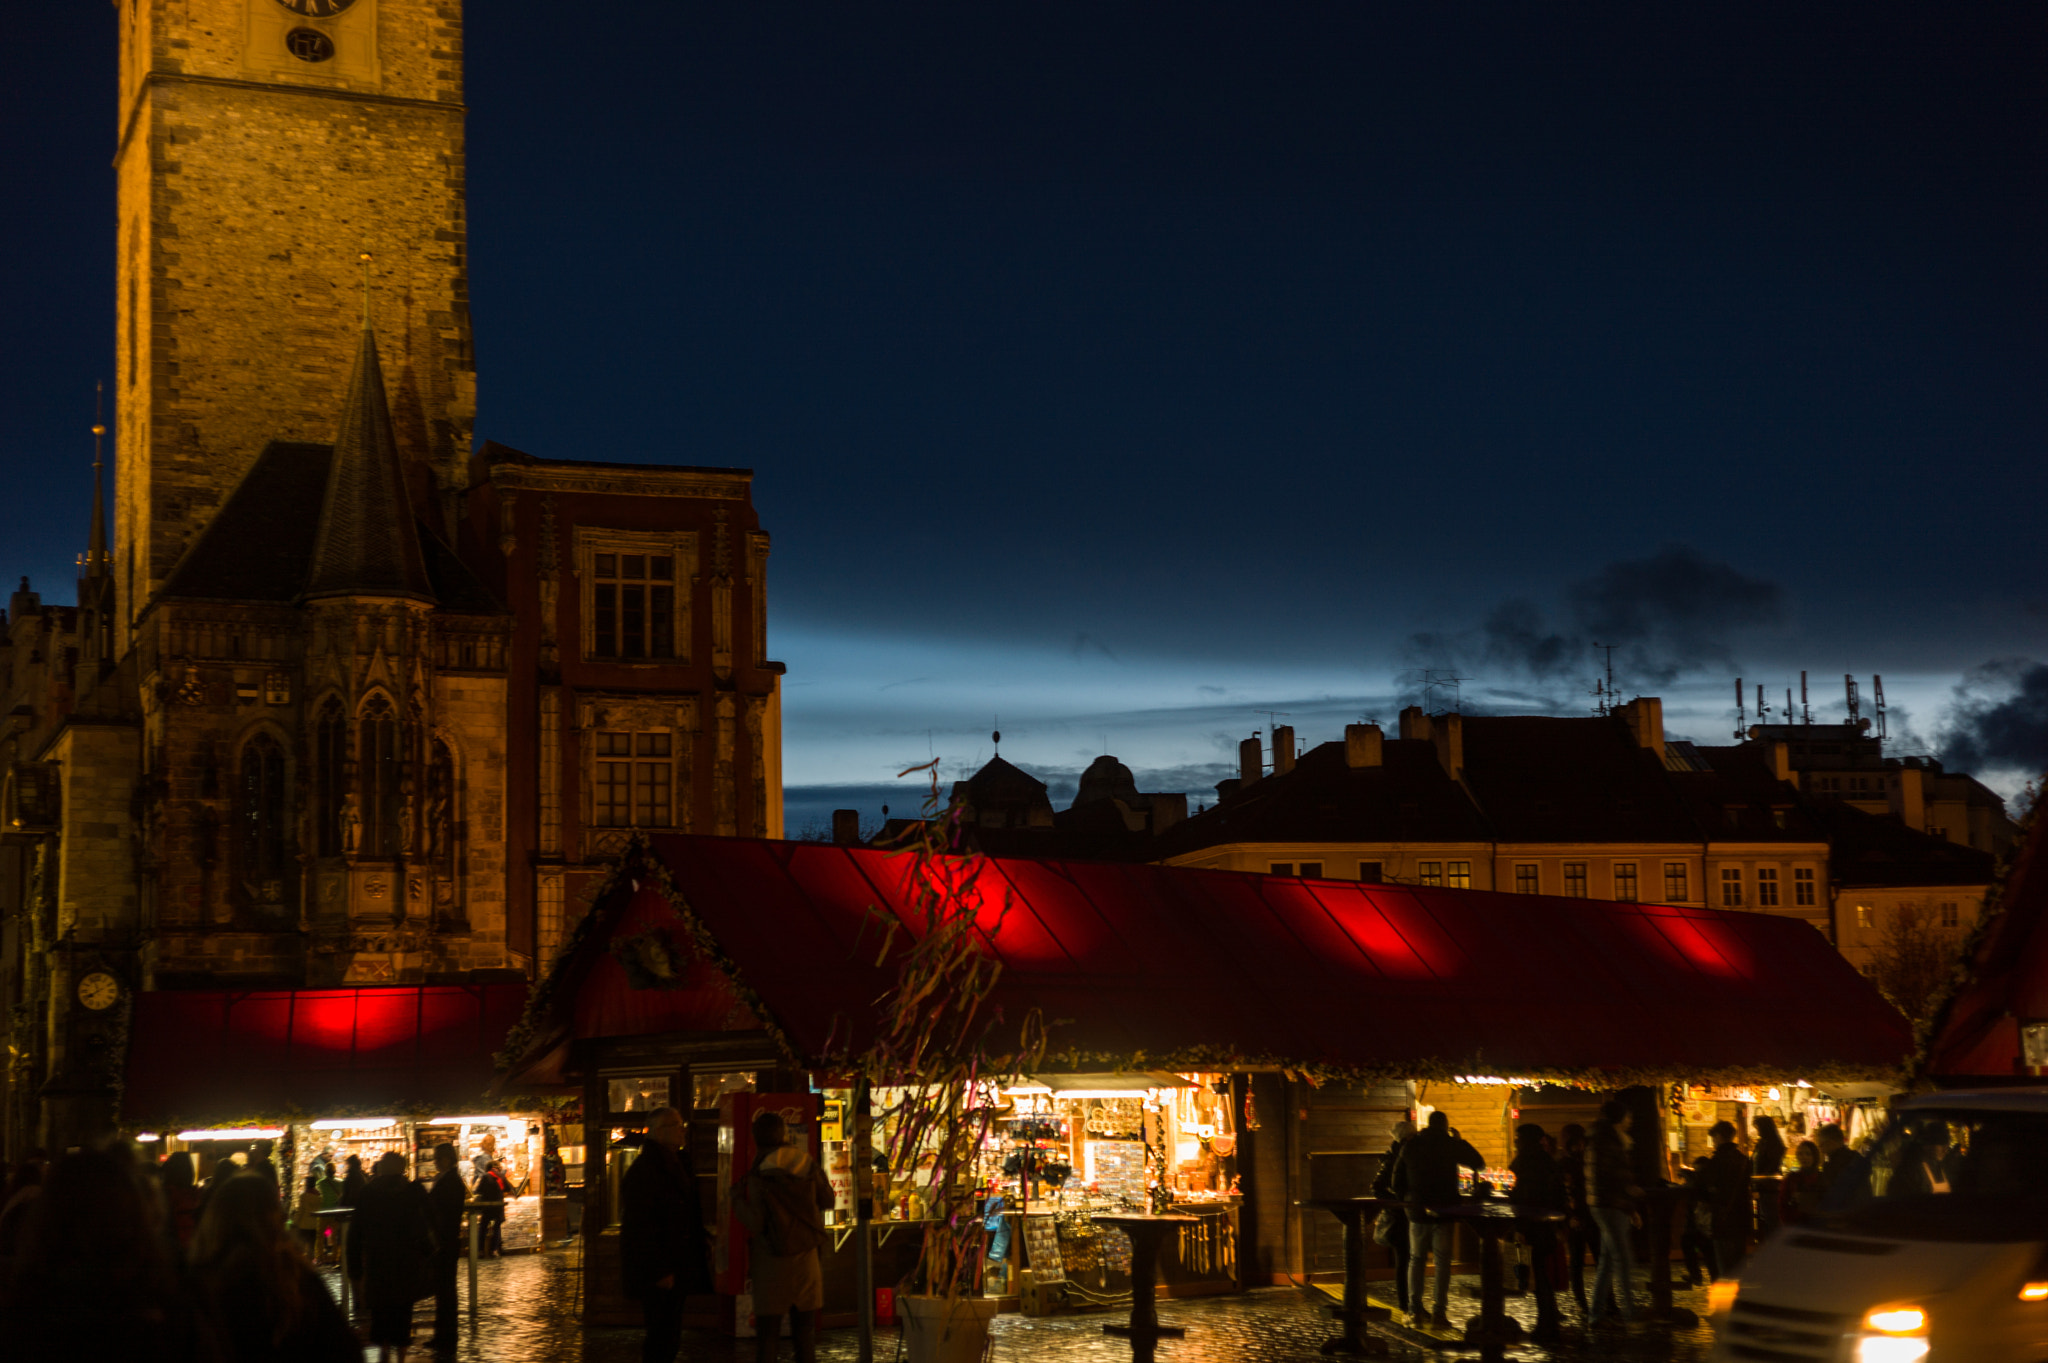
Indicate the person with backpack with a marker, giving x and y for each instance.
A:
(663, 1255)
(781, 1202)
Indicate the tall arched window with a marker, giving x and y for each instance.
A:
(443, 818)
(330, 757)
(379, 762)
(261, 801)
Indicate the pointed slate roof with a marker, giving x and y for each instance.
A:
(366, 544)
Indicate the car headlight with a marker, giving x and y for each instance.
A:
(2034, 1292)
(1893, 1334)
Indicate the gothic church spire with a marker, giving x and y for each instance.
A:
(366, 544)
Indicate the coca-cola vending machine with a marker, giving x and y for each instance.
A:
(736, 1155)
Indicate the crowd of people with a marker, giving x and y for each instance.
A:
(107, 1254)
(1591, 1178)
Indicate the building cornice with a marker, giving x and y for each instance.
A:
(724, 484)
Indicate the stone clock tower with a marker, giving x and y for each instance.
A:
(265, 145)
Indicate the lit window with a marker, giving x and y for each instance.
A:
(1802, 885)
(1866, 916)
(1371, 872)
(1767, 887)
(633, 781)
(1458, 874)
(1625, 881)
(1731, 887)
(1575, 880)
(1525, 879)
(1951, 915)
(1674, 882)
(1312, 870)
(1280, 868)
(1429, 873)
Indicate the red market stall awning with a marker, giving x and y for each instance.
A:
(205, 1057)
(1979, 1032)
(1165, 967)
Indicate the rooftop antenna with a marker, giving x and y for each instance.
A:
(996, 736)
(1763, 711)
(365, 258)
(1877, 690)
(1805, 710)
(1741, 714)
(1788, 706)
(1605, 697)
(97, 559)
(1855, 703)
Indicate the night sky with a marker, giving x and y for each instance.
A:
(1120, 372)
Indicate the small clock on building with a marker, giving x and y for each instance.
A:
(316, 9)
(99, 990)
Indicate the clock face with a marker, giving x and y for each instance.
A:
(316, 9)
(99, 990)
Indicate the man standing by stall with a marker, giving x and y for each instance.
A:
(1427, 1176)
(662, 1247)
(444, 1212)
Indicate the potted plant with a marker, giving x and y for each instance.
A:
(938, 1055)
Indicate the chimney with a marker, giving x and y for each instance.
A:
(1909, 797)
(1414, 723)
(1283, 749)
(1449, 736)
(846, 827)
(1645, 716)
(1250, 761)
(1363, 746)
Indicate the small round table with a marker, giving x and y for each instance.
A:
(1493, 1329)
(1147, 1233)
(1356, 1213)
(342, 1217)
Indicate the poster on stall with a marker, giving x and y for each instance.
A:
(1042, 1250)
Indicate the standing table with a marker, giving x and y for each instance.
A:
(1491, 1218)
(1146, 1232)
(341, 1216)
(1356, 1213)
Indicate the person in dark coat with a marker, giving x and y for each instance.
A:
(1540, 1183)
(352, 1180)
(1767, 1160)
(490, 1191)
(392, 1243)
(445, 1198)
(1581, 1234)
(93, 1280)
(1725, 1184)
(781, 1203)
(1696, 1233)
(1427, 1176)
(262, 1298)
(1799, 1194)
(181, 1198)
(1383, 1186)
(1612, 1192)
(662, 1250)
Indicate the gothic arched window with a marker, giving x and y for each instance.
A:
(442, 816)
(330, 757)
(380, 761)
(262, 808)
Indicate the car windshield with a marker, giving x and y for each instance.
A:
(1932, 1152)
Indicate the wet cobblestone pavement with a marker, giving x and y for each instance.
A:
(528, 1305)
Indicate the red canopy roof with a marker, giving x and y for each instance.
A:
(1157, 966)
(204, 1056)
(1978, 1033)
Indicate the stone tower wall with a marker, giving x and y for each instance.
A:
(248, 186)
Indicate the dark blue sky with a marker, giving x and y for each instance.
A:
(1126, 369)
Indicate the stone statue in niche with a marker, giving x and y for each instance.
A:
(408, 810)
(351, 823)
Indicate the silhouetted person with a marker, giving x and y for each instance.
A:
(1837, 1166)
(264, 1301)
(1397, 1219)
(23, 1187)
(181, 1198)
(1725, 1181)
(352, 1180)
(1769, 1157)
(93, 1279)
(1582, 1234)
(393, 1242)
(1427, 1176)
(662, 1251)
(490, 1191)
(1799, 1194)
(1539, 1183)
(1696, 1236)
(1612, 1192)
(445, 1198)
(781, 1203)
